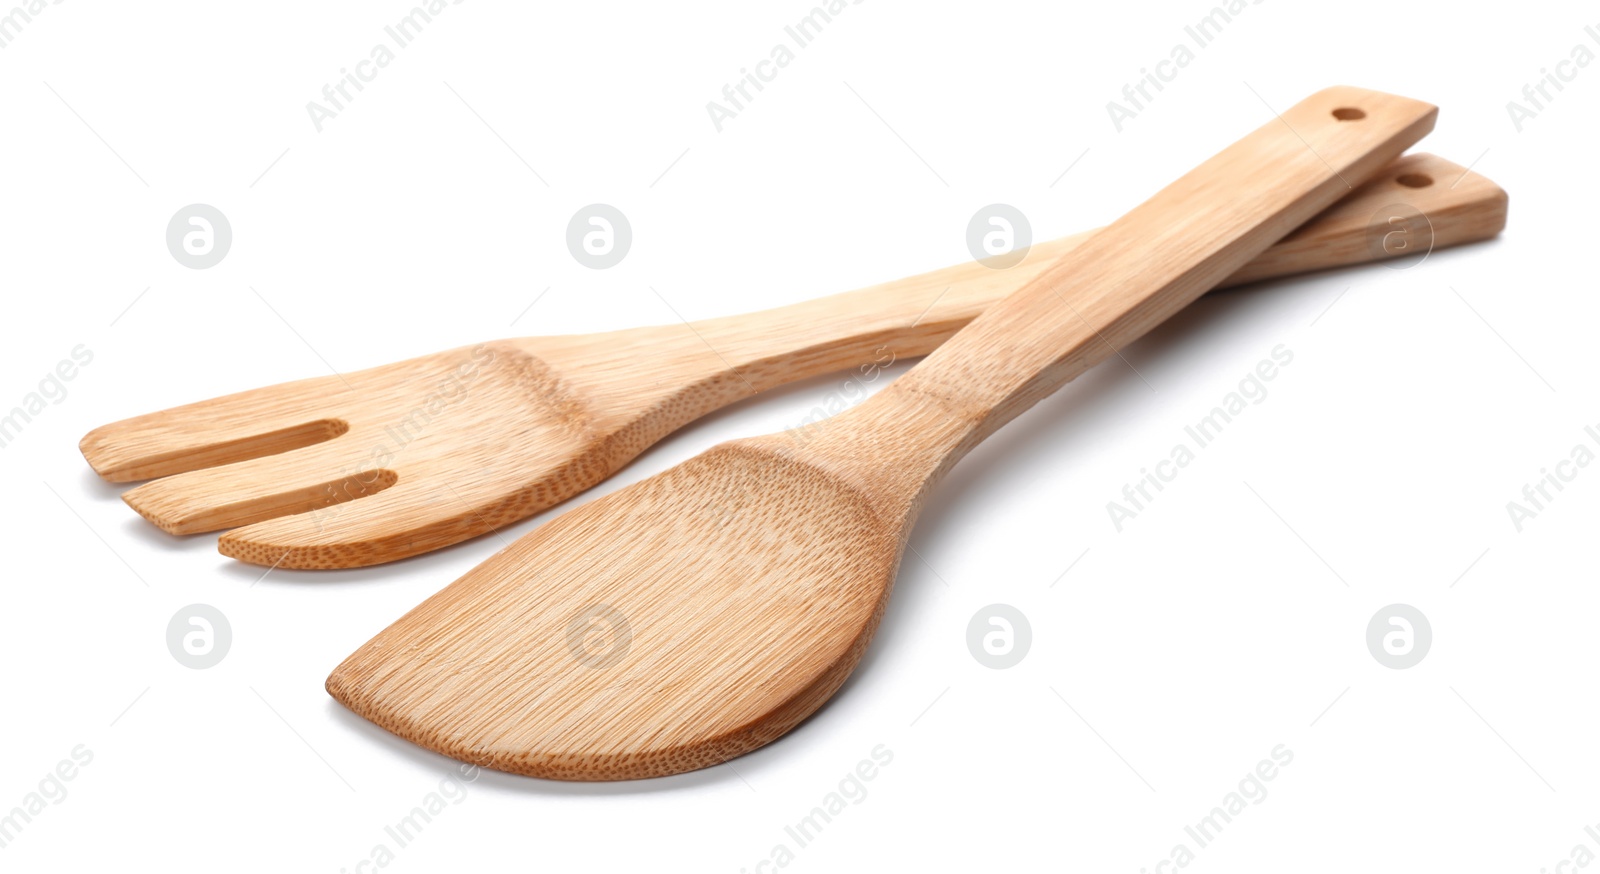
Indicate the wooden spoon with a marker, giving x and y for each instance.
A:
(737, 590)
(454, 445)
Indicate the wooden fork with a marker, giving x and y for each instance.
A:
(449, 446)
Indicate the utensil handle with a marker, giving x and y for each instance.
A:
(1419, 203)
(1126, 279)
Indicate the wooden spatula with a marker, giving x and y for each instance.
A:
(453, 445)
(741, 587)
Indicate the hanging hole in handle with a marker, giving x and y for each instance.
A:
(1414, 180)
(1349, 113)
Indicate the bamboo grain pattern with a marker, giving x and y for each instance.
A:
(739, 589)
(397, 460)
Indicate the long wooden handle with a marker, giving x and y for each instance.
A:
(1137, 272)
(1418, 203)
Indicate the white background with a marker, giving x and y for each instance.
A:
(1166, 663)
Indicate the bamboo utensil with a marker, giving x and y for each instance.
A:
(449, 446)
(743, 585)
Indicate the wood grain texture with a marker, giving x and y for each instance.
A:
(707, 610)
(402, 459)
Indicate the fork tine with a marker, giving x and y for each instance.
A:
(243, 492)
(223, 430)
(412, 518)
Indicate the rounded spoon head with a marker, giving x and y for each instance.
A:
(669, 626)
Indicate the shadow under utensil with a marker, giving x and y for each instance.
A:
(99, 489)
(1064, 422)
(140, 529)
